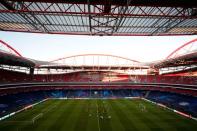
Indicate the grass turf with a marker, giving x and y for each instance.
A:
(97, 115)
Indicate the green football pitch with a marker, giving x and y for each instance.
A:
(97, 115)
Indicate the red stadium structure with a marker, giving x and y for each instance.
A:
(182, 59)
(191, 44)
(10, 49)
(95, 61)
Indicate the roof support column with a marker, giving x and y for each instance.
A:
(90, 17)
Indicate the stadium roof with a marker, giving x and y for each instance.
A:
(184, 55)
(100, 17)
(184, 60)
(10, 56)
(12, 60)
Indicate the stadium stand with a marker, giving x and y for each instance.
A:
(11, 77)
(182, 103)
(14, 102)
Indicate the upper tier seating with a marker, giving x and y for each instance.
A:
(15, 77)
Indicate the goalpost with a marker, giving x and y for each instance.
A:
(37, 117)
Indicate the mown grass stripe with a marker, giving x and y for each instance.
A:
(70, 117)
(82, 119)
(47, 119)
(143, 115)
(115, 122)
(132, 116)
(103, 113)
(123, 118)
(63, 109)
(92, 110)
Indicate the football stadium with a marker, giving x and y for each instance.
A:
(98, 65)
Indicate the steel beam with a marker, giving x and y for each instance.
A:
(90, 17)
(156, 3)
(28, 17)
(118, 21)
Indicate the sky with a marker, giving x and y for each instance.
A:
(48, 47)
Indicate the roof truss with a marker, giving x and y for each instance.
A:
(109, 17)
